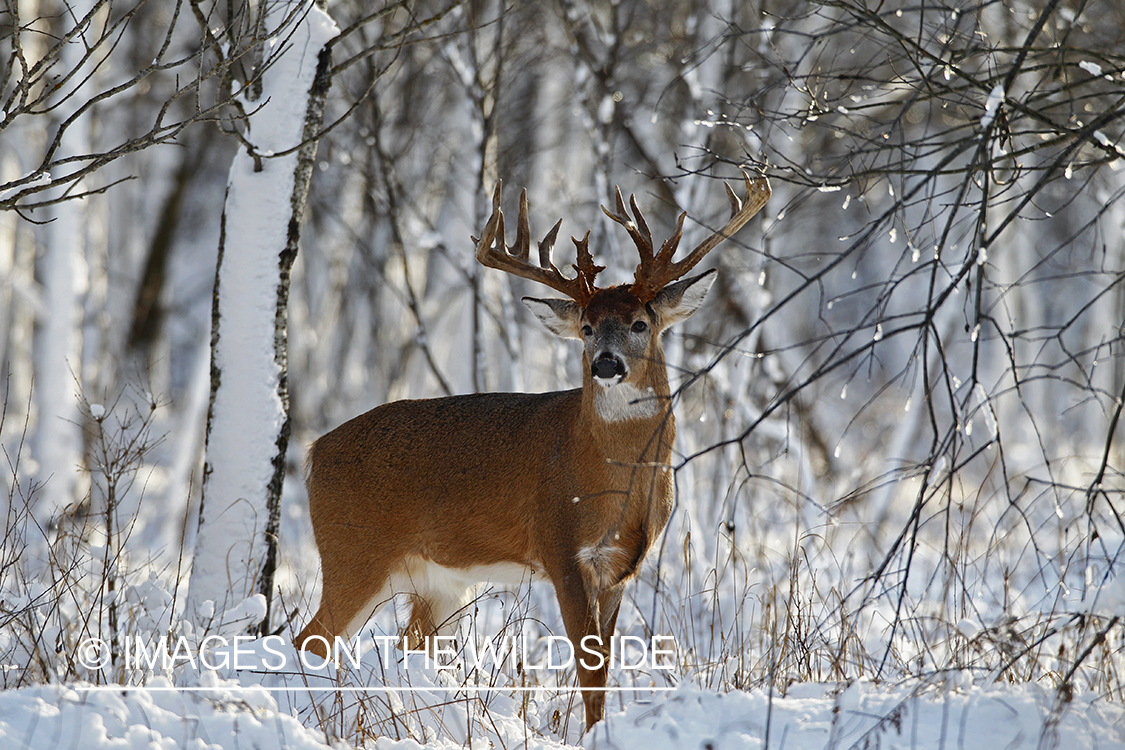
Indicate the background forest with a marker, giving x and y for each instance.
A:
(899, 451)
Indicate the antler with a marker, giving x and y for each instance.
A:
(492, 252)
(654, 273)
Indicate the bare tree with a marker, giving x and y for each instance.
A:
(84, 89)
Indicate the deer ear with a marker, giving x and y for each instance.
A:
(562, 316)
(678, 301)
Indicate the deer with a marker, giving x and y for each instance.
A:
(432, 497)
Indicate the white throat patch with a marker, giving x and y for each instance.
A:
(624, 401)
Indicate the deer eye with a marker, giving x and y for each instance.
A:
(640, 326)
(587, 330)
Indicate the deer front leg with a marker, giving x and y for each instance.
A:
(582, 618)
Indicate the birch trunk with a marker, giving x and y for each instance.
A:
(58, 343)
(248, 417)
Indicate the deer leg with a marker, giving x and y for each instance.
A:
(580, 612)
(435, 606)
(347, 601)
(421, 623)
(429, 617)
(609, 603)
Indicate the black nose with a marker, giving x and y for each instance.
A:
(607, 366)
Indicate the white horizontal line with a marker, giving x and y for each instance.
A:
(355, 689)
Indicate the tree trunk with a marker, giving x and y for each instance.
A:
(248, 417)
(58, 346)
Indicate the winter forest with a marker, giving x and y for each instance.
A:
(228, 227)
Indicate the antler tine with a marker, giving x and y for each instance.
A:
(584, 264)
(523, 231)
(758, 191)
(637, 228)
(548, 244)
(642, 225)
(489, 233)
(668, 249)
(733, 199)
(492, 252)
(501, 232)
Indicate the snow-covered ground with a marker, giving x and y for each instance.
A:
(810, 716)
(276, 698)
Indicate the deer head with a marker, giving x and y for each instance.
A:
(620, 326)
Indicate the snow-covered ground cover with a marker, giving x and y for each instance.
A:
(810, 717)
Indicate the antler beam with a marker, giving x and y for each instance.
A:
(491, 251)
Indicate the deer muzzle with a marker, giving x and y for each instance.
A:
(608, 369)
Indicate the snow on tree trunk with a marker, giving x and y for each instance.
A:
(248, 419)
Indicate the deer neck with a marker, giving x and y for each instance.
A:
(633, 417)
(630, 429)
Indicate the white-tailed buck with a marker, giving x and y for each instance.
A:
(432, 497)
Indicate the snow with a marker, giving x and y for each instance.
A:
(984, 406)
(1091, 67)
(995, 98)
(223, 714)
(81, 716)
(263, 694)
(861, 715)
(1109, 597)
(968, 628)
(37, 178)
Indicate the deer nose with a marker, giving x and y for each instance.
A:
(606, 366)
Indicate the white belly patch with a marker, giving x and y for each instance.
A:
(446, 589)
